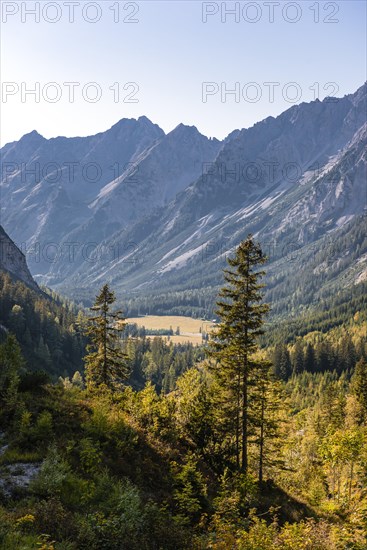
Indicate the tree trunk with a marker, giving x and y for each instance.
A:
(261, 454)
(104, 372)
(238, 422)
(244, 464)
(351, 481)
(244, 383)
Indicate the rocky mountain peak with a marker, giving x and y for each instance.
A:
(34, 135)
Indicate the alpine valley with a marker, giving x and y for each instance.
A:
(116, 431)
(157, 215)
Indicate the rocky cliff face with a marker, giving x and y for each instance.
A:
(48, 185)
(63, 193)
(13, 261)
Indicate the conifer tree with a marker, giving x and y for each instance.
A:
(310, 359)
(267, 406)
(359, 387)
(297, 358)
(348, 352)
(11, 363)
(234, 342)
(282, 362)
(105, 363)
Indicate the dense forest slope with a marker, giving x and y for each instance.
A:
(150, 463)
(136, 470)
(44, 326)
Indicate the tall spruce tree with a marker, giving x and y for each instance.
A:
(282, 362)
(310, 358)
(267, 409)
(234, 342)
(105, 364)
(359, 387)
(298, 358)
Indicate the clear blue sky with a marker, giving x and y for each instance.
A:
(169, 53)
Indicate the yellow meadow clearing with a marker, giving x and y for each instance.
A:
(190, 330)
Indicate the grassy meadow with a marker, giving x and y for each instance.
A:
(191, 329)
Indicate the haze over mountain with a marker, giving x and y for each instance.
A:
(151, 212)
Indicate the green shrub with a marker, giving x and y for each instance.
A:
(43, 430)
(90, 455)
(124, 527)
(53, 474)
(51, 517)
(190, 492)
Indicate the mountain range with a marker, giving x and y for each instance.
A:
(157, 214)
